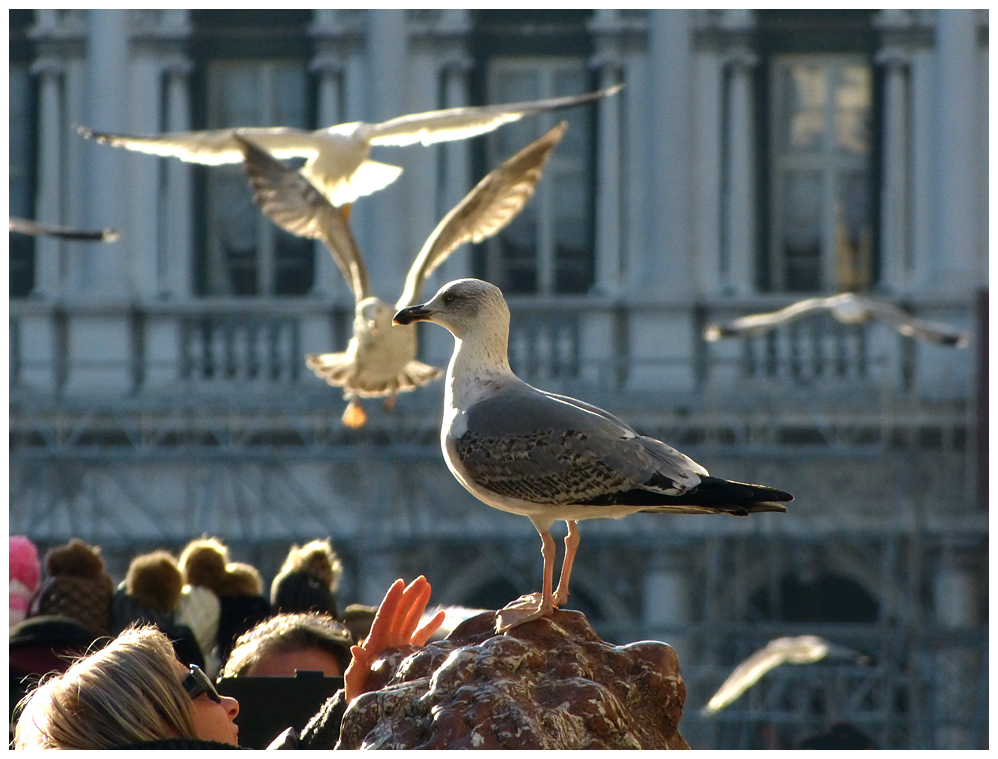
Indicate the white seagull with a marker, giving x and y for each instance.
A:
(336, 158)
(380, 359)
(847, 308)
(38, 229)
(549, 457)
(803, 649)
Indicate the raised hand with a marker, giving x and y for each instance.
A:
(394, 625)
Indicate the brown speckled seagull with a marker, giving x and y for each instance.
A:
(380, 359)
(549, 457)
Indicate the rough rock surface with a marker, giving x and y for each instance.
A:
(547, 684)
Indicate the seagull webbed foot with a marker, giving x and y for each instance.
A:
(354, 415)
(524, 609)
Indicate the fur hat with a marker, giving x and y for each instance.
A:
(240, 580)
(154, 581)
(25, 572)
(203, 563)
(77, 586)
(308, 580)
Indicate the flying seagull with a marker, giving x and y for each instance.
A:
(847, 308)
(549, 457)
(803, 649)
(37, 229)
(380, 359)
(336, 158)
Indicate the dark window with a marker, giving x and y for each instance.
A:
(251, 70)
(818, 116)
(529, 55)
(22, 151)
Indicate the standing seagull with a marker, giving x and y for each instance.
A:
(847, 308)
(550, 457)
(336, 158)
(380, 359)
(38, 229)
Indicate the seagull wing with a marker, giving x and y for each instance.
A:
(37, 229)
(461, 123)
(756, 324)
(526, 444)
(911, 326)
(803, 649)
(213, 147)
(293, 204)
(489, 207)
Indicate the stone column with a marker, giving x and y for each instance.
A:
(956, 162)
(957, 670)
(49, 263)
(667, 607)
(668, 268)
(609, 169)
(176, 252)
(379, 218)
(738, 264)
(895, 253)
(104, 272)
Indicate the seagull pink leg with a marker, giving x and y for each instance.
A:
(571, 546)
(531, 607)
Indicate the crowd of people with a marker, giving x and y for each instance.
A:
(144, 663)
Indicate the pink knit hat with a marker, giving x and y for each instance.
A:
(25, 572)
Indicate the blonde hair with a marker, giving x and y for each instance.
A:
(128, 692)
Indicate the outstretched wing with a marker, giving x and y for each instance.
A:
(465, 122)
(489, 207)
(37, 229)
(911, 326)
(756, 324)
(293, 204)
(213, 147)
(804, 649)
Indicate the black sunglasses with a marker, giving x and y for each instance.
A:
(197, 682)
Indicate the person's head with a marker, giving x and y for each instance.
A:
(285, 643)
(308, 580)
(131, 691)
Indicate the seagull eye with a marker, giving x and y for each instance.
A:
(448, 298)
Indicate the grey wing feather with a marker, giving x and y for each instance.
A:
(460, 123)
(756, 324)
(489, 207)
(38, 229)
(911, 326)
(292, 203)
(525, 444)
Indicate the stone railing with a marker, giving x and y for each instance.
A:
(562, 344)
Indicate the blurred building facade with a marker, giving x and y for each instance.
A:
(754, 158)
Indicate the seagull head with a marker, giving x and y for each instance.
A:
(375, 314)
(464, 307)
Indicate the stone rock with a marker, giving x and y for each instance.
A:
(547, 684)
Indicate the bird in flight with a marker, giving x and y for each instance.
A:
(802, 649)
(847, 308)
(550, 457)
(336, 158)
(37, 229)
(380, 359)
